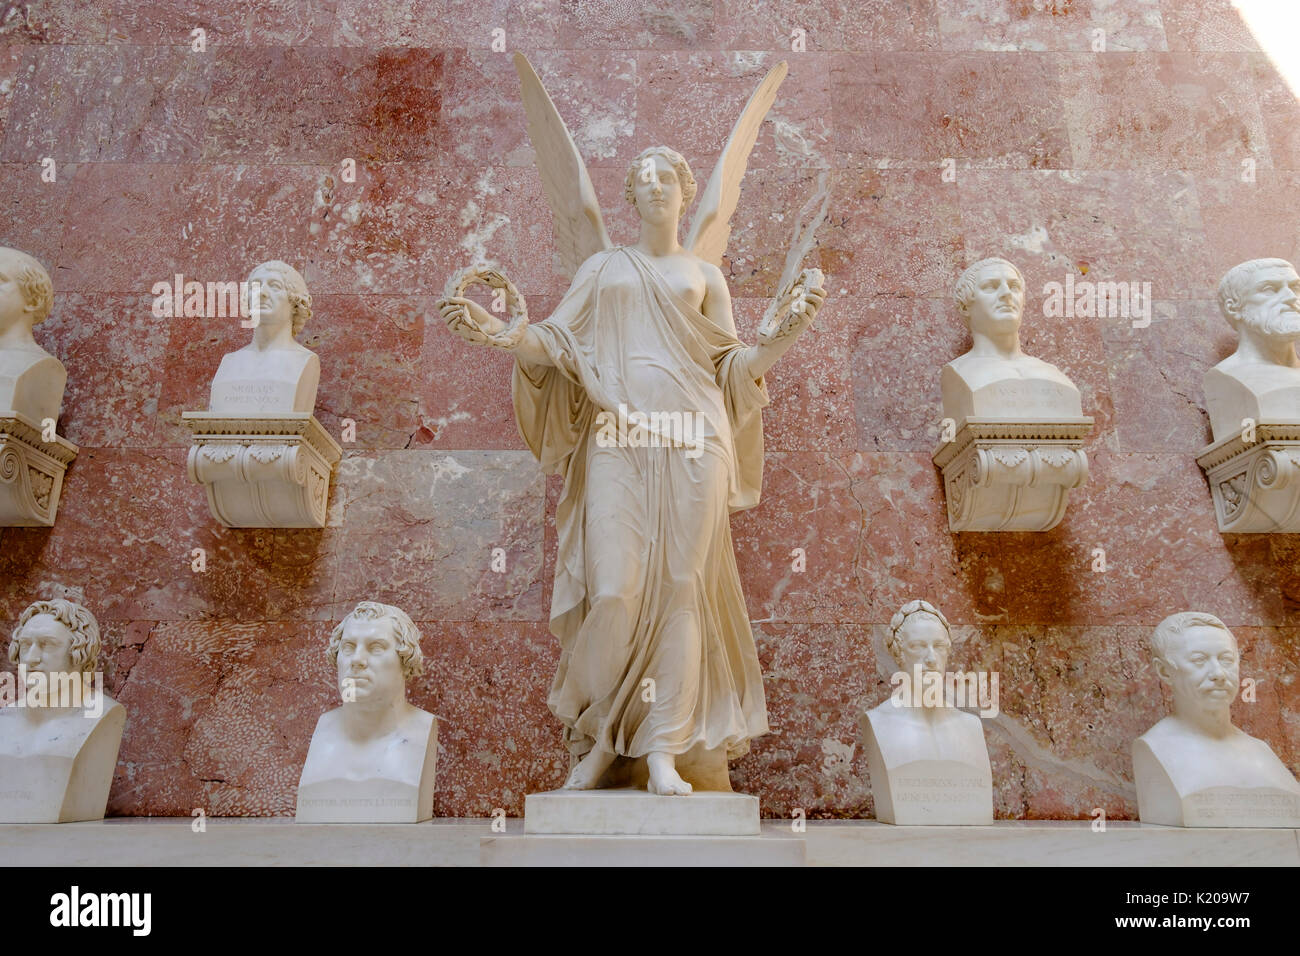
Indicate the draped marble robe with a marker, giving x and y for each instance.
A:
(646, 584)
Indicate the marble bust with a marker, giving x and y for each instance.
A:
(272, 373)
(31, 379)
(59, 739)
(371, 760)
(995, 379)
(1261, 379)
(1194, 768)
(928, 760)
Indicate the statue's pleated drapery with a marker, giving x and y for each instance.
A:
(647, 600)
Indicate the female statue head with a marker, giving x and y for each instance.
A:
(656, 176)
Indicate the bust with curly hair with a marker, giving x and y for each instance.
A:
(31, 379)
(56, 637)
(59, 739)
(371, 760)
(273, 372)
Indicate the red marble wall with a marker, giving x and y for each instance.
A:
(1123, 165)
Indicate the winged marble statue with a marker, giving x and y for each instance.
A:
(637, 390)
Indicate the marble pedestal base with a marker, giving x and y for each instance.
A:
(263, 471)
(172, 841)
(31, 473)
(1256, 486)
(632, 812)
(630, 827)
(779, 847)
(1006, 475)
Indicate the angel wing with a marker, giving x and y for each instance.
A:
(579, 229)
(711, 226)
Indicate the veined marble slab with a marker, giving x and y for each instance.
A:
(278, 841)
(1046, 843)
(629, 811)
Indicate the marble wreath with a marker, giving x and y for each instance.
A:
(658, 677)
(372, 760)
(1253, 400)
(59, 739)
(928, 760)
(1194, 768)
(33, 459)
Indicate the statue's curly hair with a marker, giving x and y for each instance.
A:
(295, 288)
(85, 632)
(405, 633)
(1236, 282)
(34, 281)
(1168, 631)
(964, 291)
(684, 175)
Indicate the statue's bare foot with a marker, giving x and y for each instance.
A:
(588, 771)
(664, 778)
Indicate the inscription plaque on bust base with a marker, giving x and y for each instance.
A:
(61, 770)
(400, 791)
(1162, 801)
(930, 792)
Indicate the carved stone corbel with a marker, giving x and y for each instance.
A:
(1256, 485)
(263, 471)
(31, 473)
(1001, 475)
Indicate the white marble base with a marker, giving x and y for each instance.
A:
(263, 471)
(935, 792)
(170, 841)
(276, 841)
(1006, 475)
(627, 811)
(1256, 487)
(31, 473)
(1045, 843)
(61, 770)
(776, 846)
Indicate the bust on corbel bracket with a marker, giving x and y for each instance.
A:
(258, 450)
(33, 458)
(1013, 445)
(1253, 398)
